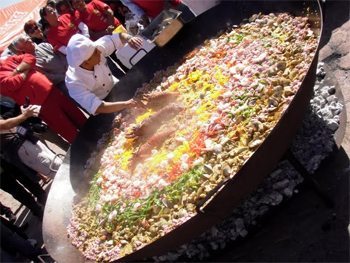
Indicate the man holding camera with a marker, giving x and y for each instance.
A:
(19, 145)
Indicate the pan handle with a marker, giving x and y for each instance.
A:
(138, 51)
(211, 193)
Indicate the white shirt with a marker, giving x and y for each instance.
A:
(89, 88)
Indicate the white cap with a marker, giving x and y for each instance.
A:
(79, 49)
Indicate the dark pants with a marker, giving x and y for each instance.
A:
(9, 176)
(12, 243)
(13, 228)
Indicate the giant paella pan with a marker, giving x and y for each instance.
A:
(223, 101)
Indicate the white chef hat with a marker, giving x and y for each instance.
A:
(79, 49)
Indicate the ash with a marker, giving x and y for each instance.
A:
(312, 144)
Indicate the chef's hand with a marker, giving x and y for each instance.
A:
(135, 42)
(31, 110)
(136, 103)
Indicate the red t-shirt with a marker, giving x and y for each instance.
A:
(67, 26)
(154, 7)
(94, 16)
(36, 86)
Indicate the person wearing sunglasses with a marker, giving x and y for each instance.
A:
(33, 30)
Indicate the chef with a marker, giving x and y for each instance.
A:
(88, 79)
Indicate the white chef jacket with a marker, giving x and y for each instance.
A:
(89, 88)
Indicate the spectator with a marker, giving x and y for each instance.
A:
(51, 3)
(33, 30)
(52, 64)
(24, 147)
(11, 50)
(61, 29)
(63, 7)
(88, 79)
(13, 181)
(145, 9)
(19, 79)
(119, 10)
(98, 17)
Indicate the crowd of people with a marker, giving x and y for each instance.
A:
(54, 76)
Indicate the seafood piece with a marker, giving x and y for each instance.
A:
(151, 125)
(153, 142)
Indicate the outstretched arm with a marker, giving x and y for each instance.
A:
(110, 107)
(10, 123)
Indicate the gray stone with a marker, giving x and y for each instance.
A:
(275, 173)
(243, 233)
(325, 52)
(214, 245)
(344, 48)
(324, 93)
(325, 112)
(277, 198)
(331, 90)
(239, 224)
(344, 62)
(288, 192)
(333, 125)
(346, 26)
(338, 37)
(280, 185)
(319, 101)
(332, 98)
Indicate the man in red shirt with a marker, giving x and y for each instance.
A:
(98, 17)
(19, 79)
